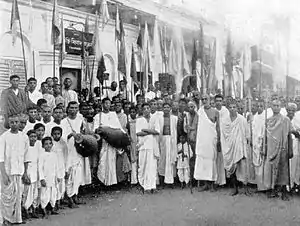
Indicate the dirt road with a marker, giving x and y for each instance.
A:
(178, 207)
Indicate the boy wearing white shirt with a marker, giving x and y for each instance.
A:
(30, 196)
(48, 174)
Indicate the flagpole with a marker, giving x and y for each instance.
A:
(118, 52)
(23, 50)
(54, 42)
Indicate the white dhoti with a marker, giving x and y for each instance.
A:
(107, 165)
(75, 180)
(61, 189)
(147, 172)
(295, 164)
(206, 149)
(31, 195)
(11, 198)
(48, 195)
(166, 163)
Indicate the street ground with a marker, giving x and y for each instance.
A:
(129, 207)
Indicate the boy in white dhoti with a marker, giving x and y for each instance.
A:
(147, 128)
(30, 198)
(48, 175)
(13, 167)
(235, 155)
(183, 166)
(61, 149)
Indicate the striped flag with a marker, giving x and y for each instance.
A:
(146, 58)
(139, 40)
(117, 26)
(55, 31)
(14, 21)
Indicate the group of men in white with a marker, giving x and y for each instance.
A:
(39, 169)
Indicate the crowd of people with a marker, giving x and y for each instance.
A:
(194, 140)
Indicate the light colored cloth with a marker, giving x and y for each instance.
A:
(11, 198)
(236, 133)
(148, 153)
(224, 119)
(150, 95)
(183, 166)
(69, 95)
(168, 151)
(107, 159)
(206, 148)
(50, 100)
(48, 195)
(258, 130)
(60, 148)
(49, 126)
(133, 150)
(276, 165)
(49, 173)
(13, 153)
(29, 126)
(77, 166)
(35, 96)
(295, 161)
(31, 195)
(34, 156)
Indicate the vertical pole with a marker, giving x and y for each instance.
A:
(23, 50)
(260, 73)
(54, 58)
(141, 71)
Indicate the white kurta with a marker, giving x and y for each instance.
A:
(76, 165)
(49, 173)
(148, 153)
(107, 159)
(206, 148)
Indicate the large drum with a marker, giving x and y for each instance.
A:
(86, 145)
(115, 137)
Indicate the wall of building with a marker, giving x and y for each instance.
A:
(36, 22)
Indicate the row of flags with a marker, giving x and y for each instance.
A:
(167, 56)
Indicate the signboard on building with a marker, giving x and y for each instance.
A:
(76, 40)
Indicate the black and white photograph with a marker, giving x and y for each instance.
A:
(150, 112)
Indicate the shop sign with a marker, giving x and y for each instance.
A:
(74, 40)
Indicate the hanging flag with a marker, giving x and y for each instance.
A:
(14, 20)
(55, 31)
(62, 54)
(146, 58)
(86, 24)
(194, 58)
(139, 40)
(172, 60)
(117, 26)
(104, 14)
(163, 47)
(101, 69)
(31, 15)
(211, 80)
(96, 39)
(133, 73)
(228, 67)
(201, 52)
(158, 60)
(121, 45)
